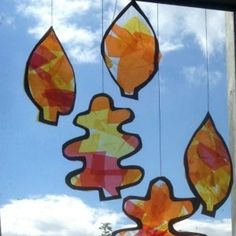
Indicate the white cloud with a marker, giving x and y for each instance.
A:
(177, 23)
(5, 19)
(197, 75)
(62, 215)
(209, 227)
(55, 216)
(72, 22)
(78, 24)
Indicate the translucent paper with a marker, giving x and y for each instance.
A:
(102, 148)
(49, 79)
(157, 212)
(209, 167)
(130, 50)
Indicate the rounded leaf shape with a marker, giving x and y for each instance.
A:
(130, 50)
(49, 79)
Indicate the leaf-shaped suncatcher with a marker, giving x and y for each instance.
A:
(208, 167)
(102, 148)
(130, 50)
(49, 79)
(156, 213)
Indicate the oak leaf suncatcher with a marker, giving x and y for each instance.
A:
(102, 149)
(157, 212)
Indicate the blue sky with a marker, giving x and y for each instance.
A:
(32, 166)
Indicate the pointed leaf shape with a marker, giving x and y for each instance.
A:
(130, 50)
(102, 149)
(208, 167)
(157, 212)
(49, 79)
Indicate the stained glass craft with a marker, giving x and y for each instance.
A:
(208, 167)
(130, 50)
(102, 149)
(49, 79)
(157, 212)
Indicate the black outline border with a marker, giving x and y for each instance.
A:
(194, 202)
(26, 84)
(213, 4)
(191, 185)
(83, 159)
(157, 50)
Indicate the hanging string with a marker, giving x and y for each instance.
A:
(114, 12)
(207, 62)
(159, 102)
(102, 16)
(52, 12)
